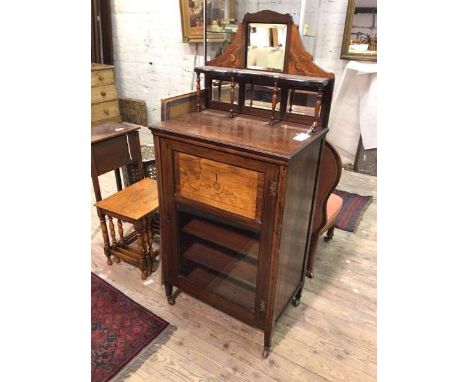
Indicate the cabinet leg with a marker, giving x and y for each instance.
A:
(170, 297)
(330, 233)
(297, 298)
(266, 343)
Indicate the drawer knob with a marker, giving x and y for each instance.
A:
(100, 77)
(103, 94)
(106, 112)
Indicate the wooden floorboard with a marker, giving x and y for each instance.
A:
(330, 336)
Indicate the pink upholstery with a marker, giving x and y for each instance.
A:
(334, 204)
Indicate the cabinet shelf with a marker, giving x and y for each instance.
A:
(231, 238)
(210, 281)
(232, 267)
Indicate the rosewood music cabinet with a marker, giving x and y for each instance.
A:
(237, 184)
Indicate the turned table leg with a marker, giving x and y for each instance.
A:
(105, 237)
(114, 240)
(146, 241)
(121, 234)
(141, 248)
(152, 255)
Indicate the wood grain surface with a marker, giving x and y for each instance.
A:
(103, 93)
(102, 75)
(251, 133)
(136, 201)
(218, 184)
(104, 110)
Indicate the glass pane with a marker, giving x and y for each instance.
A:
(266, 46)
(218, 256)
(221, 91)
(221, 16)
(260, 96)
(221, 25)
(302, 102)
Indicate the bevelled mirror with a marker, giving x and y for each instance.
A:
(266, 46)
(360, 32)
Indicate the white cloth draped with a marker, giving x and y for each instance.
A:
(354, 111)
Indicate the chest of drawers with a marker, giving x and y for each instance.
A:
(104, 103)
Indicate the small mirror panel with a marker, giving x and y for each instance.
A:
(302, 102)
(266, 44)
(261, 97)
(221, 92)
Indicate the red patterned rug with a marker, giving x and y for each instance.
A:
(354, 206)
(120, 329)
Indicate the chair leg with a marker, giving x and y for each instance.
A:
(312, 254)
(330, 233)
(297, 298)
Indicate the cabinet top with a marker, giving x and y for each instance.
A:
(245, 132)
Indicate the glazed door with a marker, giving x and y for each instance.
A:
(220, 206)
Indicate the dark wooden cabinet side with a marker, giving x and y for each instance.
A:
(296, 214)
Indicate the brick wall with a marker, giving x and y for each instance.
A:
(151, 61)
(330, 35)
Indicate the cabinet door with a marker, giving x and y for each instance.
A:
(218, 207)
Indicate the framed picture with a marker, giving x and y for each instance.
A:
(220, 15)
(360, 32)
(191, 13)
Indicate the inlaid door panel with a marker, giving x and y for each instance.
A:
(216, 236)
(231, 188)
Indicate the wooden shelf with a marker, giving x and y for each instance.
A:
(221, 262)
(212, 282)
(227, 237)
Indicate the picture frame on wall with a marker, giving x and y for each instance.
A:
(360, 31)
(219, 16)
(191, 13)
